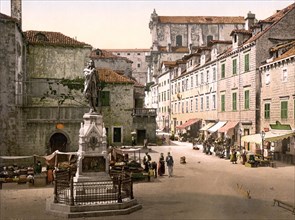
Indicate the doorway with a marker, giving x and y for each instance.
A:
(141, 135)
(117, 135)
(58, 141)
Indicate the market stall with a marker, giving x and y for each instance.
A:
(126, 159)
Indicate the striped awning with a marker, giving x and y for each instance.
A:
(215, 127)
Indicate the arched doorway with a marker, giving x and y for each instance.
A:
(58, 141)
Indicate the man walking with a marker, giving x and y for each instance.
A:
(170, 162)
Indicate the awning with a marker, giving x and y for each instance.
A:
(269, 136)
(215, 127)
(229, 125)
(188, 123)
(207, 126)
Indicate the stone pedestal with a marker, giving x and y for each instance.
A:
(93, 163)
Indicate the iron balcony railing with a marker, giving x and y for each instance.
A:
(144, 112)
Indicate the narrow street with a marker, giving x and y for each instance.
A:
(206, 187)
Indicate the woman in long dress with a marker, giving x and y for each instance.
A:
(161, 169)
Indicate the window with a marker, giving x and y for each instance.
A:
(284, 109)
(213, 101)
(178, 40)
(128, 53)
(192, 82)
(247, 66)
(197, 80)
(105, 98)
(222, 70)
(234, 66)
(234, 101)
(202, 78)
(186, 106)
(222, 103)
(138, 53)
(186, 84)
(202, 103)
(207, 102)
(247, 99)
(182, 107)
(191, 106)
(138, 65)
(267, 110)
(209, 38)
(214, 74)
(285, 75)
(196, 103)
(267, 77)
(207, 76)
(235, 38)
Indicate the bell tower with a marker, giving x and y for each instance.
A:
(16, 10)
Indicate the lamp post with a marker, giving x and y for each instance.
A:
(262, 140)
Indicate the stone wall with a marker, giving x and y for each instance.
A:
(56, 62)
(115, 64)
(118, 114)
(12, 71)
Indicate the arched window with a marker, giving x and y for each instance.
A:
(178, 40)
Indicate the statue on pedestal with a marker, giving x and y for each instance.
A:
(90, 85)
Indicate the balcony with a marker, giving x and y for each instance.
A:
(144, 112)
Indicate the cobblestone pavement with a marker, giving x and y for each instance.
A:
(206, 187)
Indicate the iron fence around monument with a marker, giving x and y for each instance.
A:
(116, 190)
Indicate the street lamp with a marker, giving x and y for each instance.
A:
(262, 140)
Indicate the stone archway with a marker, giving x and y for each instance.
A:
(58, 141)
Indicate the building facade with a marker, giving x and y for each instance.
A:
(139, 63)
(12, 88)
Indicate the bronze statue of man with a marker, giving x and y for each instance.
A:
(90, 85)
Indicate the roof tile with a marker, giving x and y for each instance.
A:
(52, 38)
(109, 76)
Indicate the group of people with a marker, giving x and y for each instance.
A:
(159, 168)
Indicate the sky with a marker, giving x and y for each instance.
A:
(124, 24)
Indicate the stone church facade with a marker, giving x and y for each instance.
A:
(174, 36)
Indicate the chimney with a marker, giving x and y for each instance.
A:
(250, 19)
(16, 10)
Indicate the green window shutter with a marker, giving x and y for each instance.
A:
(284, 109)
(247, 99)
(247, 67)
(234, 66)
(267, 110)
(234, 101)
(222, 70)
(105, 98)
(222, 103)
